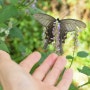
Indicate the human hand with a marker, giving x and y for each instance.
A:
(17, 77)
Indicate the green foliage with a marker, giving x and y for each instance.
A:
(84, 37)
(13, 1)
(8, 12)
(16, 18)
(16, 33)
(1, 2)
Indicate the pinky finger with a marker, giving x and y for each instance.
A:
(66, 81)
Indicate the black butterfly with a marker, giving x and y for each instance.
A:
(58, 29)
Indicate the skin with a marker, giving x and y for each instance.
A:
(15, 76)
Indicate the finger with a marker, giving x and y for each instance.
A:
(4, 56)
(52, 77)
(66, 80)
(8, 68)
(42, 70)
(29, 62)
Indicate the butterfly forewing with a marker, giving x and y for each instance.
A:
(44, 19)
(71, 24)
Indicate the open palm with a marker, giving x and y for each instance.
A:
(17, 77)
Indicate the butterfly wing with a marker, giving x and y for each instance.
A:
(71, 24)
(68, 25)
(44, 19)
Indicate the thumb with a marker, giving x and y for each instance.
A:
(12, 76)
(10, 72)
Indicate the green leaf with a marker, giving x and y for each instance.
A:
(73, 87)
(69, 57)
(3, 46)
(16, 33)
(1, 88)
(8, 12)
(82, 54)
(85, 70)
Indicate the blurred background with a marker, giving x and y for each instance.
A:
(21, 34)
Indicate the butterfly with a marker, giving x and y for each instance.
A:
(56, 30)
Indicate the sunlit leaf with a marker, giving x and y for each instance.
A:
(85, 70)
(82, 54)
(69, 57)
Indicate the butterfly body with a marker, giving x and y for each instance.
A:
(56, 30)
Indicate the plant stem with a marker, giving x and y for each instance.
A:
(75, 41)
(72, 59)
(84, 84)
